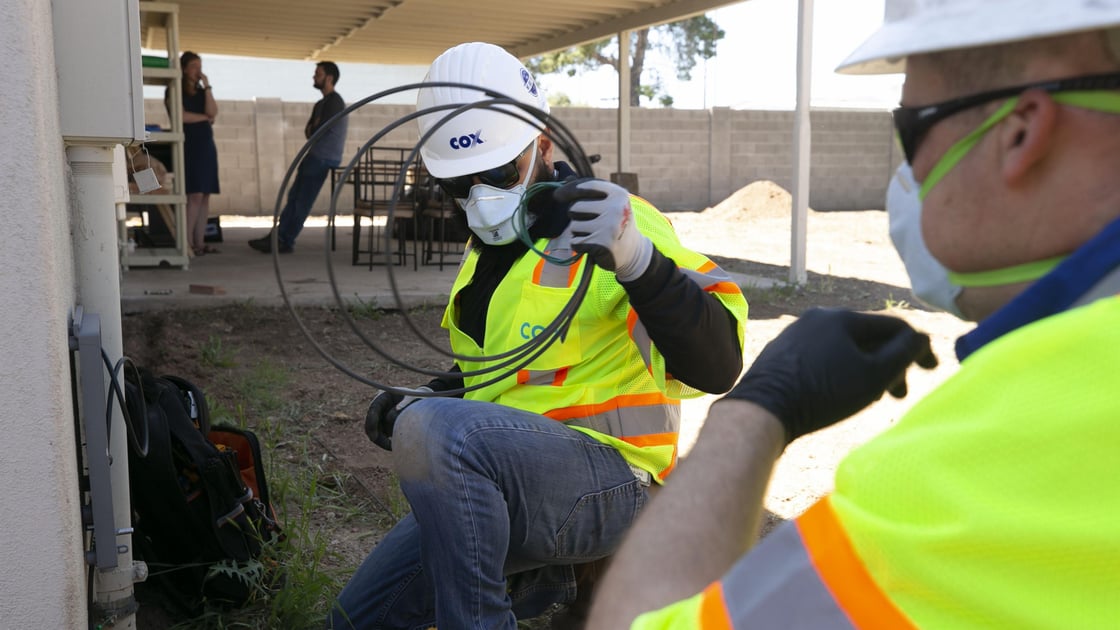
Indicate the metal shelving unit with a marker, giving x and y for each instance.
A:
(159, 29)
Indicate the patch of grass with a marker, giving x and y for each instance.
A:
(890, 303)
(365, 309)
(309, 586)
(212, 354)
(827, 283)
(258, 388)
(394, 506)
(778, 293)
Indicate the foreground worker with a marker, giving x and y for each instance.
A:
(993, 503)
(519, 481)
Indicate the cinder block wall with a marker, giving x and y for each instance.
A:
(685, 159)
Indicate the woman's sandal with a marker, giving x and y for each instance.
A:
(210, 250)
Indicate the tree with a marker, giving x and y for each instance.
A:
(684, 42)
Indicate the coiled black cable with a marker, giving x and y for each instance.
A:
(508, 362)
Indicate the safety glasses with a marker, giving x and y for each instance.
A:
(505, 176)
(913, 123)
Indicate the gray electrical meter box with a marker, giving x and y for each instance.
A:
(97, 56)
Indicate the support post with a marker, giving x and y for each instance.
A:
(624, 176)
(802, 132)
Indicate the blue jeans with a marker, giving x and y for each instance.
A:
(504, 502)
(310, 175)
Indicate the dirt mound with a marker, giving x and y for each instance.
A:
(756, 200)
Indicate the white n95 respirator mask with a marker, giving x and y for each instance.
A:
(491, 210)
(929, 280)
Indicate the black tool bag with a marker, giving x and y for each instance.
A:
(200, 502)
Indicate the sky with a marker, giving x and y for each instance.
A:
(755, 66)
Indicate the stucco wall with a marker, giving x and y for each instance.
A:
(685, 159)
(43, 576)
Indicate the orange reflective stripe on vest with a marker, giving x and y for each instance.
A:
(713, 610)
(843, 573)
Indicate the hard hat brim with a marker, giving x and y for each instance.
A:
(952, 26)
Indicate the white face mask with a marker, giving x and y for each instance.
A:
(490, 210)
(929, 280)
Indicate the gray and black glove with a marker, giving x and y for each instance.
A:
(603, 227)
(829, 364)
(382, 415)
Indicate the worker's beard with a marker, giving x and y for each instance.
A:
(551, 218)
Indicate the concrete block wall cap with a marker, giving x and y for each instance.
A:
(913, 27)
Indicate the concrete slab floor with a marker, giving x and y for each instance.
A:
(240, 274)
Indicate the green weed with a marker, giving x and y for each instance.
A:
(212, 354)
(890, 303)
(777, 293)
(827, 283)
(365, 309)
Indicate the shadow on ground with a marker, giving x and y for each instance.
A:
(784, 298)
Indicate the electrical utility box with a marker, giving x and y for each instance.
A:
(97, 56)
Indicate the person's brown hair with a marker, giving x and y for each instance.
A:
(184, 59)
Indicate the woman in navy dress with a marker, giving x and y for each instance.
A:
(200, 155)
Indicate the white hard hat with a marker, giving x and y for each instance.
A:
(912, 27)
(482, 138)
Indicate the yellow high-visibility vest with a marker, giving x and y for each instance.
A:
(606, 378)
(993, 503)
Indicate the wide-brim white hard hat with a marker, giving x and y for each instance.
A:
(912, 27)
(481, 138)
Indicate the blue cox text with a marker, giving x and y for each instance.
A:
(467, 141)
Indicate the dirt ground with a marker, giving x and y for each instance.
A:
(851, 265)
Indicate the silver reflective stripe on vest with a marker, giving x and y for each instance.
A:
(776, 586)
(538, 377)
(553, 275)
(633, 421)
(640, 336)
(707, 278)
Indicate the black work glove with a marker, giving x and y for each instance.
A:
(382, 415)
(603, 226)
(829, 364)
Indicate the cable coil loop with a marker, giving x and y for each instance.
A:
(508, 362)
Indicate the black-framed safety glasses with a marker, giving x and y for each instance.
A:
(913, 123)
(505, 176)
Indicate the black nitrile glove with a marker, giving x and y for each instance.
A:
(382, 414)
(829, 364)
(603, 226)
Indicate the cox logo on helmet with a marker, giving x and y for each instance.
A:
(530, 84)
(467, 141)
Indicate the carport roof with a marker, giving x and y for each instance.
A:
(409, 31)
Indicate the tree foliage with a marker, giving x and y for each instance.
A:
(684, 43)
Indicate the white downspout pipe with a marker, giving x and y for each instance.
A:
(97, 272)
